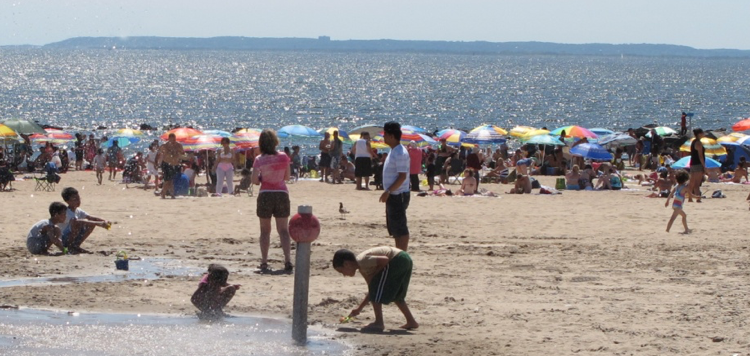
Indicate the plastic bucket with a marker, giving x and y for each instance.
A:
(122, 265)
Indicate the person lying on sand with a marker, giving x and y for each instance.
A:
(387, 271)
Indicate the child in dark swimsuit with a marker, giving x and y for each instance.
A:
(213, 293)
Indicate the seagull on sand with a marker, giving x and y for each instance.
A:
(342, 211)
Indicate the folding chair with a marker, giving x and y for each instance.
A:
(44, 183)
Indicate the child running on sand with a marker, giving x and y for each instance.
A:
(387, 271)
(679, 197)
(213, 293)
(45, 233)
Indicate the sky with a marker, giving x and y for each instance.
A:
(701, 24)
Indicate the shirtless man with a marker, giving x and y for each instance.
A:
(523, 185)
(171, 153)
(325, 157)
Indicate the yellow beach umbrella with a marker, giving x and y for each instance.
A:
(520, 131)
(732, 137)
(710, 147)
(532, 133)
(495, 128)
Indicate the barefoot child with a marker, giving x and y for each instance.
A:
(387, 271)
(100, 161)
(45, 233)
(78, 225)
(679, 197)
(213, 293)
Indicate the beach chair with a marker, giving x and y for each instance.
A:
(45, 182)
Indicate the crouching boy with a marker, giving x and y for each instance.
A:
(387, 271)
(45, 233)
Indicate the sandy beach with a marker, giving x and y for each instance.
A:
(577, 273)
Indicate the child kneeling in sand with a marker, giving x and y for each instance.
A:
(387, 271)
(45, 233)
(213, 293)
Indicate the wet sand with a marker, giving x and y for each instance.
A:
(577, 273)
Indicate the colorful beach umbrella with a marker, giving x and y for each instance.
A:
(662, 131)
(591, 151)
(486, 134)
(55, 137)
(574, 131)
(406, 137)
(413, 129)
(24, 127)
(245, 141)
(453, 137)
(684, 162)
(298, 130)
(710, 147)
(8, 135)
(248, 131)
(181, 133)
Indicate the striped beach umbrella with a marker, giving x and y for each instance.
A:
(342, 134)
(574, 131)
(662, 131)
(710, 147)
(486, 134)
(245, 141)
(24, 127)
(591, 151)
(406, 137)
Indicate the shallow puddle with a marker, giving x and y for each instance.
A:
(146, 269)
(35, 332)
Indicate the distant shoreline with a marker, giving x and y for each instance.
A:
(326, 44)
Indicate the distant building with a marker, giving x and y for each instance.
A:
(324, 38)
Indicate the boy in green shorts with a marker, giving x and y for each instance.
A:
(387, 271)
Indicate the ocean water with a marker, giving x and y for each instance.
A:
(81, 90)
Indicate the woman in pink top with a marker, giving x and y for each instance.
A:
(271, 171)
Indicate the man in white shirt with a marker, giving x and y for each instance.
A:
(396, 195)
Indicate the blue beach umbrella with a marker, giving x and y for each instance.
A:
(413, 129)
(591, 151)
(298, 130)
(484, 137)
(684, 162)
(121, 141)
(545, 140)
(601, 132)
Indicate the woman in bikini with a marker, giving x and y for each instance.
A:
(224, 167)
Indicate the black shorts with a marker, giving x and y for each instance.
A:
(170, 171)
(395, 214)
(325, 160)
(363, 167)
(273, 204)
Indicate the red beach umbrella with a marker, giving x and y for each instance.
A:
(742, 125)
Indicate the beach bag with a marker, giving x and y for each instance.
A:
(535, 183)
